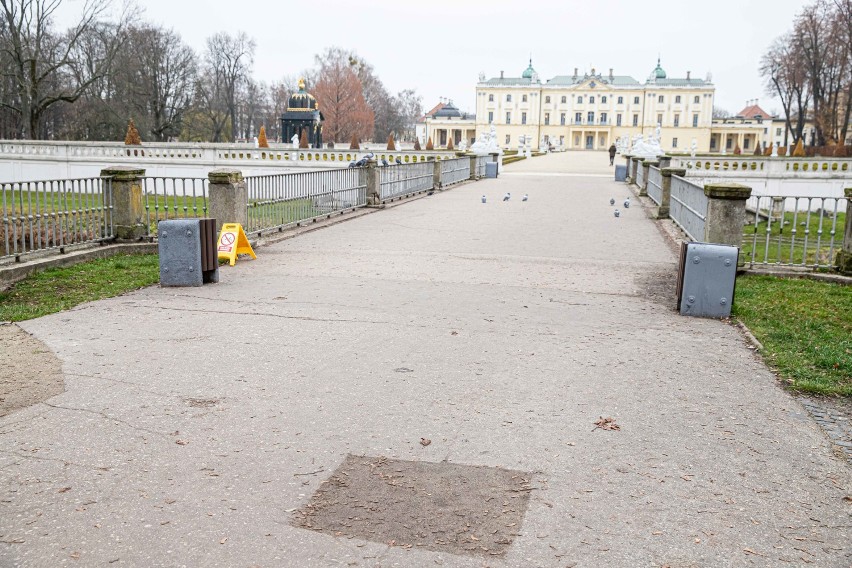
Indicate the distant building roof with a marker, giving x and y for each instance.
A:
(753, 111)
(617, 80)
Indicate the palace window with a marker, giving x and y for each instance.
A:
(603, 100)
(677, 100)
(491, 98)
(661, 99)
(547, 118)
(580, 100)
(523, 118)
(591, 100)
(695, 121)
(562, 119)
(578, 118)
(621, 100)
(618, 120)
(635, 120)
(676, 120)
(508, 118)
(508, 139)
(635, 100)
(547, 100)
(659, 119)
(490, 117)
(777, 132)
(729, 143)
(508, 98)
(564, 100)
(523, 98)
(591, 117)
(603, 118)
(674, 142)
(746, 143)
(697, 100)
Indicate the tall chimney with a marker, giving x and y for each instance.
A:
(501, 74)
(687, 75)
(610, 72)
(575, 71)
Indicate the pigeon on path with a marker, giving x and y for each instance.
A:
(612, 201)
(507, 196)
(617, 213)
(627, 203)
(483, 199)
(525, 197)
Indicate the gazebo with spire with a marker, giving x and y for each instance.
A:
(302, 114)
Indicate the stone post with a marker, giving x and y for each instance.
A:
(473, 168)
(436, 174)
(665, 162)
(128, 209)
(844, 255)
(627, 157)
(227, 197)
(726, 213)
(374, 185)
(646, 170)
(634, 169)
(666, 186)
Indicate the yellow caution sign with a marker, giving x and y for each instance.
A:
(233, 241)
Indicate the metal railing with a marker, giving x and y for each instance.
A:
(688, 207)
(655, 185)
(53, 214)
(480, 165)
(406, 179)
(278, 200)
(454, 171)
(172, 198)
(640, 174)
(794, 231)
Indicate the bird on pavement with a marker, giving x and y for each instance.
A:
(483, 199)
(612, 201)
(507, 196)
(617, 213)
(627, 203)
(525, 197)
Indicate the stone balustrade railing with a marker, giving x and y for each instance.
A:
(754, 166)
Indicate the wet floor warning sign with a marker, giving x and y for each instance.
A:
(233, 241)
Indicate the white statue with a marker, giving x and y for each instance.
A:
(646, 148)
(295, 140)
(693, 148)
(463, 146)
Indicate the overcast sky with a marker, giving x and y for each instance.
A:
(439, 48)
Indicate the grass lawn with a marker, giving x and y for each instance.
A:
(805, 327)
(58, 289)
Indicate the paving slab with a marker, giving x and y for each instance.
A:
(196, 424)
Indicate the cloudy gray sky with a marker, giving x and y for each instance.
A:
(439, 48)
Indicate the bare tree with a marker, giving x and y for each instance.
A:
(41, 62)
(785, 75)
(719, 112)
(228, 62)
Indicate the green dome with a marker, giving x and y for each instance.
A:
(530, 72)
(659, 73)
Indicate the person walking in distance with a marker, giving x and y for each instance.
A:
(612, 151)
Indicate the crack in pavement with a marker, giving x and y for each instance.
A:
(107, 417)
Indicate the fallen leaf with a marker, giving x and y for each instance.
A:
(223, 541)
(75, 555)
(181, 442)
(425, 441)
(454, 333)
(606, 424)
(657, 533)
(750, 551)
(64, 490)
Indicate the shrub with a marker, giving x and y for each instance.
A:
(768, 151)
(262, 142)
(417, 144)
(757, 150)
(737, 150)
(303, 139)
(429, 145)
(354, 145)
(799, 150)
(132, 137)
(782, 150)
(450, 144)
(840, 151)
(391, 143)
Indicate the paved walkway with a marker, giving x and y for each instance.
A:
(197, 423)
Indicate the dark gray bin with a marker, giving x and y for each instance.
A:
(187, 249)
(620, 173)
(491, 169)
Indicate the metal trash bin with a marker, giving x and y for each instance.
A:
(491, 169)
(187, 249)
(706, 279)
(620, 173)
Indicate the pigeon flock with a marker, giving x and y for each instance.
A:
(507, 197)
(626, 204)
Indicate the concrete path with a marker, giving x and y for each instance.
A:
(196, 423)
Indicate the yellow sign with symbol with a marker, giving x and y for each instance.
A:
(233, 241)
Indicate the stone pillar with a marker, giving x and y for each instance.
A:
(666, 199)
(128, 208)
(646, 170)
(227, 197)
(633, 168)
(473, 168)
(844, 255)
(627, 158)
(726, 213)
(374, 186)
(436, 173)
(665, 162)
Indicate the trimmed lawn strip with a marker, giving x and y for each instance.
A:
(58, 289)
(805, 327)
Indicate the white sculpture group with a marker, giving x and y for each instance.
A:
(487, 143)
(649, 148)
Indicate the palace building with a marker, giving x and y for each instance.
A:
(589, 111)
